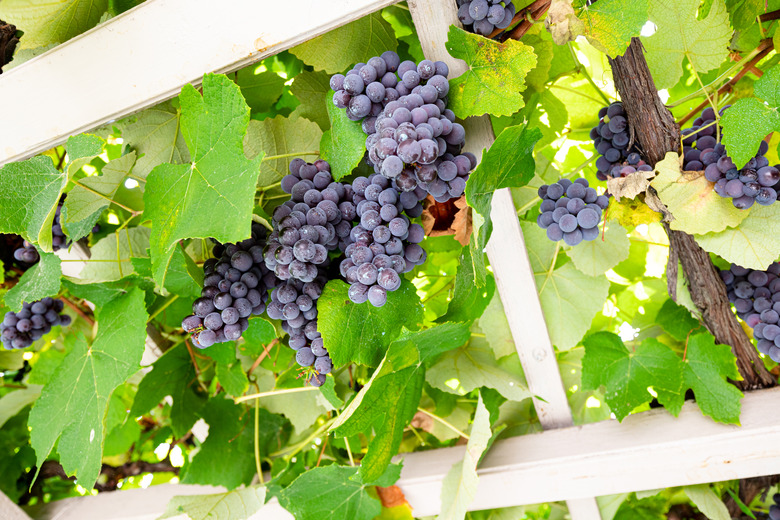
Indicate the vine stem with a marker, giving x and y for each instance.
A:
(552, 266)
(162, 308)
(349, 451)
(285, 155)
(261, 357)
(263, 189)
(292, 450)
(274, 392)
(442, 421)
(78, 311)
(258, 464)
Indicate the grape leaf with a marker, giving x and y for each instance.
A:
(313, 91)
(459, 486)
(708, 502)
(260, 90)
(184, 278)
(156, 135)
(767, 87)
(81, 150)
(677, 321)
(40, 281)
(229, 372)
(596, 257)
(360, 333)
(259, 333)
(344, 145)
(70, 412)
(745, 124)
(754, 244)
(610, 24)
(355, 42)
(174, 375)
(707, 369)
(627, 375)
(91, 195)
(567, 314)
(213, 196)
(302, 409)
(696, 208)
(743, 13)
(29, 193)
(496, 77)
(468, 301)
(112, 254)
(509, 163)
(46, 23)
(495, 326)
(280, 136)
(680, 35)
(14, 402)
(239, 504)
(650, 508)
(226, 457)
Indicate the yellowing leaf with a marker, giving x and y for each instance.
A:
(610, 24)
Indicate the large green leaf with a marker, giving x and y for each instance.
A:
(343, 146)
(213, 196)
(229, 372)
(233, 505)
(680, 35)
(112, 254)
(610, 24)
(81, 150)
(280, 136)
(45, 23)
(40, 281)
(767, 87)
(509, 163)
(708, 501)
(355, 42)
(468, 301)
(14, 402)
(260, 89)
(91, 195)
(745, 124)
(496, 77)
(677, 321)
(743, 13)
(72, 406)
(302, 409)
(360, 333)
(596, 257)
(495, 327)
(313, 91)
(29, 193)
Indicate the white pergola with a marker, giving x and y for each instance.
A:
(148, 53)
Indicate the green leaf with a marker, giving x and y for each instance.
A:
(259, 333)
(344, 145)
(468, 301)
(495, 326)
(91, 195)
(29, 193)
(45, 23)
(459, 486)
(185, 278)
(767, 87)
(745, 124)
(355, 42)
(230, 374)
(496, 77)
(650, 508)
(330, 493)
(40, 281)
(754, 244)
(596, 257)
(172, 375)
(70, 412)
(313, 91)
(112, 254)
(280, 136)
(213, 196)
(156, 135)
(707, 369)
(14, 402)
(473, 366)
(677, 321)
(627, 375)
(708, 502)
(301, 408)
(328, 390)
(360, 333)
(226, 457)
(610, 24)
(81, 150)
(509, 163)
(743, 13)
(696, 208)
(233, 505)
(260, 89)
(680, 35)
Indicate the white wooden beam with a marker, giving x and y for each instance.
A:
(507, 253)
(9, 510)
(145, 56)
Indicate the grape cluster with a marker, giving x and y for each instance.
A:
(611, 138)
(756, 297)
(482, 16)
(571, 211)
(413, 138)
(27, 254)
(384, 245)
(21, 329)
(234, 288)
(755, 182)
(774, 509)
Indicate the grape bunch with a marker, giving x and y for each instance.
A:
(295, 303)
(774, 509)
(482, 16)
(384, 245)
(21, 329)
(755, 182)
(27, 254)
(316, 220)
(234, 288)
(611, 138)
(571, 211)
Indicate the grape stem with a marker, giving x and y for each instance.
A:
(258, 464)
(285, 155)
(261, 357)
(274, 392)
(162, 308)
(582, 70)
(78, 311)
(549, 272)
(442, 421)
(292, 450)
(260, 220)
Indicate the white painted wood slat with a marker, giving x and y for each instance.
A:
(145, 56)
